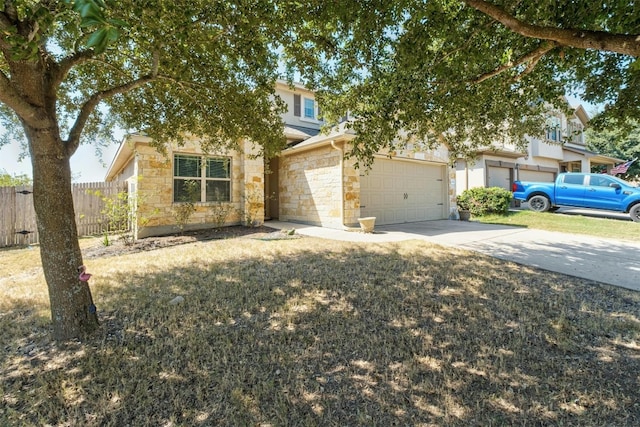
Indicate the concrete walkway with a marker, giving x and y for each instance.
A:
(609, 261)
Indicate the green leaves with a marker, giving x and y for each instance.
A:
(92, 14)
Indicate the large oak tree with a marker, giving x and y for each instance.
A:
(165, 67)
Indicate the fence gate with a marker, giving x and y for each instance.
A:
(18, 218)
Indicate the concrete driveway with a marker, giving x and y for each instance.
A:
(609, 261)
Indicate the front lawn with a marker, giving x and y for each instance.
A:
(575, 224)
(311, 332)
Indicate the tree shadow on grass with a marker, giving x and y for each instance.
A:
(397, 334)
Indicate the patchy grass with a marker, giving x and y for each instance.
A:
(575, 224)
(317, 332)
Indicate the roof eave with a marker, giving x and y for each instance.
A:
(124, 154)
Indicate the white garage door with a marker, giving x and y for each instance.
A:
(396, 191)
(499, 177)
(536, 176)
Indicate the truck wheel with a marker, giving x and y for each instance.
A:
(634, 212)
(539, 203)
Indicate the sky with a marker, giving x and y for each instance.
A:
(86, 166)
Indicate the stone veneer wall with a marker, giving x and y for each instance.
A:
(309, 187)
(154, 175)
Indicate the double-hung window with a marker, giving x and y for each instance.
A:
(206, 179)
(575, 132)
(305, 108)
(554, 131)
(309, 108)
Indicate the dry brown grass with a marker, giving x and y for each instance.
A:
(314, 332)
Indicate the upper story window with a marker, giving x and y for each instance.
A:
(305, 108)
(554, 130)
(204, 179)
(576, 132)
(309, 108)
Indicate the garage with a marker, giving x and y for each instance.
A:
(499, 177)
(398, 191)
(536, 176)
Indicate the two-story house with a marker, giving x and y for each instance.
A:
(310, 182)
(562, 150)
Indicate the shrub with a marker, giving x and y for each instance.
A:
(121, 212)
(220, 211)
(482, 201)
(183, 210)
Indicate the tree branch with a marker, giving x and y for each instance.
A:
(73, 142)
(5, 23)
(582, 39)
(531, 58)
(13, 100)
(66, 64)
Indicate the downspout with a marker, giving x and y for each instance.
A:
(333, 144)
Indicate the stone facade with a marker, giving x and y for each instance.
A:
(152, 178)
(317, 186)
(309, 187)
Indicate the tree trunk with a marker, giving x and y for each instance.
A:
(72, 311)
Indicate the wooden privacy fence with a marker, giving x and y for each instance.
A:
(18, 218)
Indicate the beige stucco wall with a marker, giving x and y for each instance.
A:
(154, 173)
(286, 94)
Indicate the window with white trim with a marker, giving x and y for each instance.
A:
(309, 108)
(211, 177)
(576, 132)
(554, 131)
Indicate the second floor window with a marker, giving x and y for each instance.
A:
(201, 179)
(554, 132)
(575, 132)
(309, 108)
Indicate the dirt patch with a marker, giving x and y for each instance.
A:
(118, 247)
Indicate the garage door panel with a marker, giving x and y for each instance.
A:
(397, 191)
(499, 177)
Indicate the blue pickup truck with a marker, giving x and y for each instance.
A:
(584, 190)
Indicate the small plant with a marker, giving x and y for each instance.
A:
(120, 211)
(117, 209)
(253, 201)
(482, 201)
(183, 211)
(220, 211)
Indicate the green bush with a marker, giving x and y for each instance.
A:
(483, 201)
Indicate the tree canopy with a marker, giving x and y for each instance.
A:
(162, 67)
(466, 72)
(615, 141)
(472, 73)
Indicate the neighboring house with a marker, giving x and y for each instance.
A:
(310, 182)
(563, 150)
